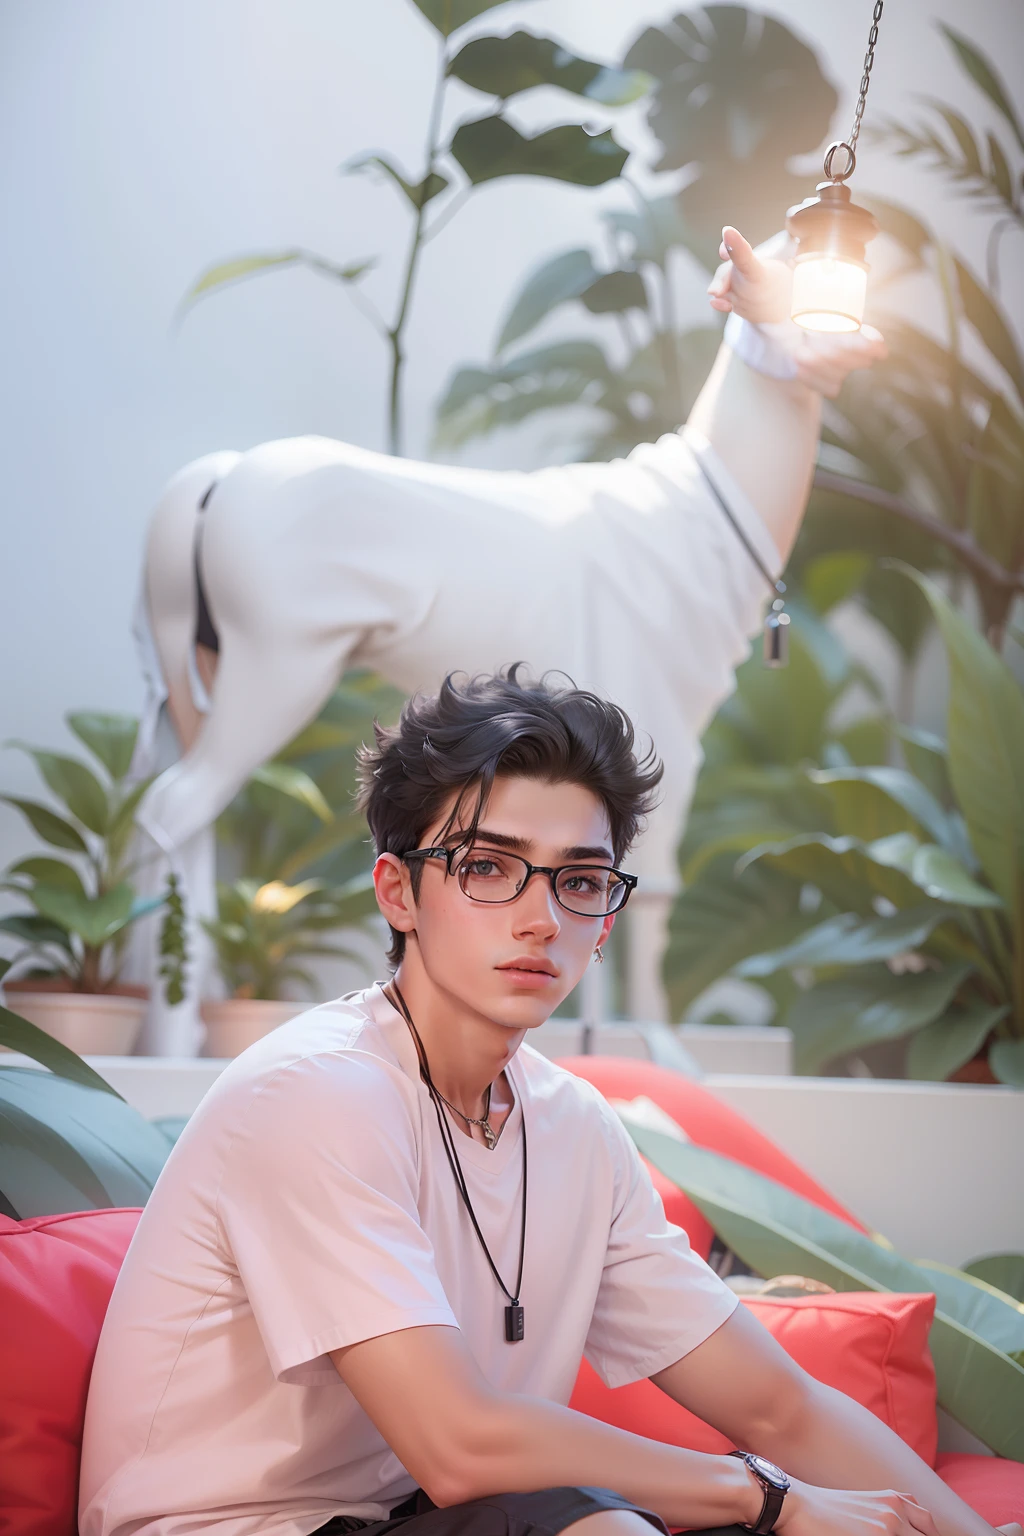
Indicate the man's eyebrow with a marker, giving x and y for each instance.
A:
(523, 845)
(588, 853)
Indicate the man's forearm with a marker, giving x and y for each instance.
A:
(765, 431)
(522, 1444)
(836, 1443)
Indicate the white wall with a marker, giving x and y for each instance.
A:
(142, 142)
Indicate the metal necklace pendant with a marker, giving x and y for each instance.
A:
(490, 1135)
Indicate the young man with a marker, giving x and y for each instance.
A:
(361, 1289)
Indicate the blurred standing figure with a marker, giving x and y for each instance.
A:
(269, 573)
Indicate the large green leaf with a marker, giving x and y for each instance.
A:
(984, 76)
(991, 323)
(875, 801)
(933, 869)
(865, 1005)
(53, 829)
(36, 931)
(111, 738)
(504, 66)
(17, 1034)
(847, 939)
(1006, 1058)
(73, 783)
(851, 873)
(449, 15)
(491, 147)
(297, 785)
(94, 919)
(480, 399)
(653, 230)
(978, 1305)
(52, 872)
(942, 1046)
(241, 267)
(718, 920)
(553, 283)
(986, 748)
(68, 1147)
(614, 292)
(419, 193)
(1003, 1270)
(927, 760)
(777, 1232)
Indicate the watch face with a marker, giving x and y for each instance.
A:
(771, 1473)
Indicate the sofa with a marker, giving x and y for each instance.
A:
(57, 1272)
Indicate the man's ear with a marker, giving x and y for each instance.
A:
(606, 929)
(393, 888)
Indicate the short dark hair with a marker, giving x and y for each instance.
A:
(459, 740)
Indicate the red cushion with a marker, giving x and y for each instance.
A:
(992, 1487)
(709, 1123)
(56, 1275)
(871, 1346)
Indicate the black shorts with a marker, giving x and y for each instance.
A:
(543, 1513)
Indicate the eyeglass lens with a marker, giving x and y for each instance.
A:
(588, 889)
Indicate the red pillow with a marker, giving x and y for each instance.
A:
(56, 1276)
(992, 1487)
(709, 1123)
(873, 1347)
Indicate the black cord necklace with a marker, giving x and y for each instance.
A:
(514, 1314)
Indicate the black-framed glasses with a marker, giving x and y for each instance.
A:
(493, 876)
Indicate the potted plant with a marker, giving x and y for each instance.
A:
(299, 858)
(260, 934)
(80, 905)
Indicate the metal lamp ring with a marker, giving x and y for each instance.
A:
(830, 156)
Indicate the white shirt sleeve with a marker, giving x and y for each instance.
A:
(318, 1205)
(657, 1300)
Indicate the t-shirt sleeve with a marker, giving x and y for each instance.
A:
(318, 1206)
(657, 1299)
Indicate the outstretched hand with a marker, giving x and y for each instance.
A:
(756, 284)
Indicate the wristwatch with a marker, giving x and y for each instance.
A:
(775, 1484)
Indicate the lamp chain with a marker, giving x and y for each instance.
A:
(865, 79)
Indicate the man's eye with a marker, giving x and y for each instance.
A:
(582, 883)
(483, 868)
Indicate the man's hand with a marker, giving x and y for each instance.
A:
(811, 1511)
(756, 286)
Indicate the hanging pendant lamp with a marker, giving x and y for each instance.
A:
(831, 232)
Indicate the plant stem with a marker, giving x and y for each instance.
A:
(395, 334)
(970, 554)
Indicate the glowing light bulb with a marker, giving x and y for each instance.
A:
(830, 275)
(829, 293)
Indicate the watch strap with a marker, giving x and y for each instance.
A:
(774, 1498)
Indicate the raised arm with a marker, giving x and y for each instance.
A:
(765, 430)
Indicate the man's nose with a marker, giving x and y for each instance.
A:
(535, 909)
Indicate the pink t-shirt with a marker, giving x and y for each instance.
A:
(309, 1205)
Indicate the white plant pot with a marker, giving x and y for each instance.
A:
(91, 1023)
(235, 1023)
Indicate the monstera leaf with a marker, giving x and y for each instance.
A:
(739, 95)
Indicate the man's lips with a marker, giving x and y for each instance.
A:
(527, 965)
